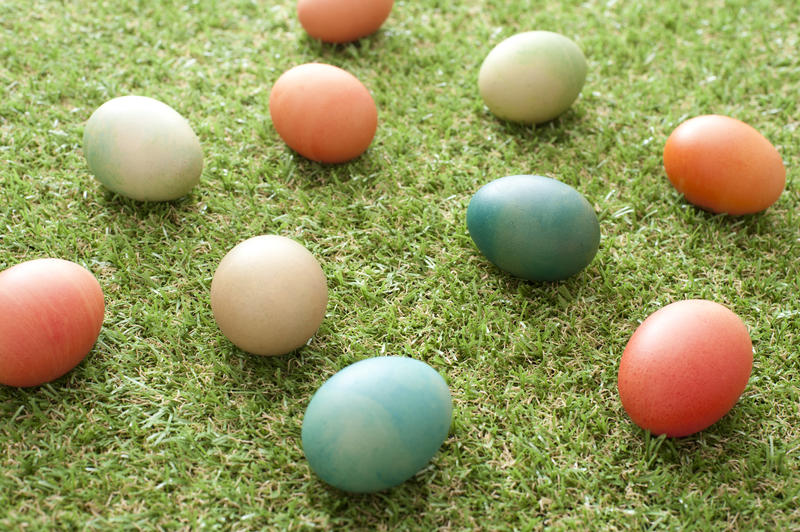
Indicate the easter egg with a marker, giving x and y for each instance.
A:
(268, 295)
(685, 367)
(143, 149)
(323, 113)
(376, 423)
(723, 165)
(533, 227)
(532, 77)
(340, 21)
(51, 312)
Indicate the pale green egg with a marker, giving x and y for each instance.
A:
(142, 148)
(532, 77)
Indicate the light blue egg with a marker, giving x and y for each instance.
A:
(376, 423)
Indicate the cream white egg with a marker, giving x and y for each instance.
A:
(268, 295)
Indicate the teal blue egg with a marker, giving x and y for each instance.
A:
(534, 227)
(376, 423)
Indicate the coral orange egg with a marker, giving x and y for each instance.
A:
(51, 312)
(340, 21)
(685, 367)
(724, 165)
(323, 113)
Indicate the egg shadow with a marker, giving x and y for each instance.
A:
(582, 305)
(360, 49)
(560, 130)
(366, 511)
(360, 172)
(754, 224)
(559, 294)
(728, 440)
(141, 209)
(69, 389)
(297, 372)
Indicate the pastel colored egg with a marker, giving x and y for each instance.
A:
(723, 165)
(143, 149)
(376, 423)
(268, 295)
(534, 227)
(340, 21)
(323, 113)
(532, 77)
(685, 367)
(51, 313)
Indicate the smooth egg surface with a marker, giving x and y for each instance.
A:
(376, 423)
(685, 367)
(268, 295)
(141, 148)
(532, 77)
(323, 113)
(534, 227)
(724, 165)
(51, 313)
(340, 21)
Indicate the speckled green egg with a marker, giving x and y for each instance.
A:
(142, 148)
(376, 423)
(534, 227)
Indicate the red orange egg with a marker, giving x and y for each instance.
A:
(51, 312)
(324, 113)
(685, 367)
(339, 21)
(724, 165)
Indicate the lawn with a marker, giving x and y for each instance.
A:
(167, 425)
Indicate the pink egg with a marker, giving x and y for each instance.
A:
(685, 367)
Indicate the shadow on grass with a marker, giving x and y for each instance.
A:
(275, 375)
(142, 210)
(560, 294)
(36, 401)
(362, 171)
(559, 133)
(360, 49)
(365, 511)
(728, 440)
(556, 131)
(758, 223)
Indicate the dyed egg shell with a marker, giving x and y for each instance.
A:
(143, 149)
(685, 367)
(532, 77)
(323, 113)
(534, 227)
(376, 423)
(268, 295)
(724, 165)
(51, 312)
(340, 21)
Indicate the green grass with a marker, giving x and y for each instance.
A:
(167, 425)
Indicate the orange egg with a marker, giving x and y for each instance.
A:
(323, 113)
(339, 21)
(724, 165)
(685, 367)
